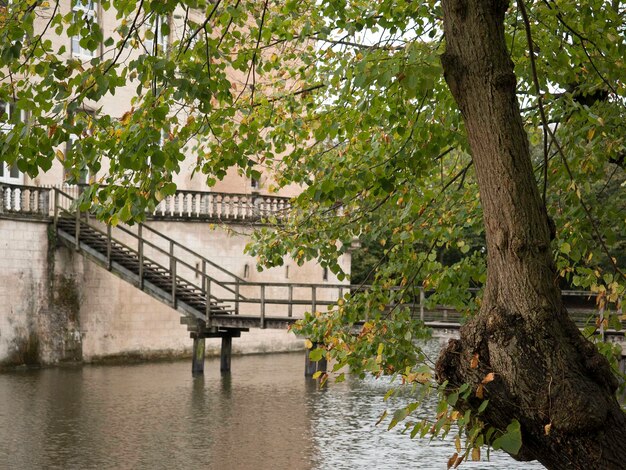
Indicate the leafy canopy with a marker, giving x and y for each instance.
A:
(346, 99)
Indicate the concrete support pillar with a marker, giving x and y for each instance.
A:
(311, 367)
(197, 362)
(225, 354)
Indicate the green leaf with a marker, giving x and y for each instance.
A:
(316, 354)
(398, 416)
(511, 440)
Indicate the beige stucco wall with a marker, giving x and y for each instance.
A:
(59, 306)
(78, 310)
(119, 104)
(22, 290)
(117, 319)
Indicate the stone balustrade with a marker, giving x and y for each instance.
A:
(24, 200)
(221, 206)
(184, 205)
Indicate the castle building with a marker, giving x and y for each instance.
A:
(59, 304)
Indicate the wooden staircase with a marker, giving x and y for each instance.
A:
(192, 299)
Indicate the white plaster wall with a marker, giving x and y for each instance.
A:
(119, 320)
(224, 244)
(22, 282)
(115, 319)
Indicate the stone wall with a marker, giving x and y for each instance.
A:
(39, 299)
(22, 289)
(56, 305)
(120, 321)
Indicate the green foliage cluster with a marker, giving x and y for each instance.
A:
(347, 100)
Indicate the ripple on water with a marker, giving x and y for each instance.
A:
(265, 415)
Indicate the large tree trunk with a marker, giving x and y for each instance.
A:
(545, 371)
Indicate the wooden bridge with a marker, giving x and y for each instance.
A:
(212, 301)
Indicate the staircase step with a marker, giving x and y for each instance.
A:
(153, 272)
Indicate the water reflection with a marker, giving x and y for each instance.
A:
(264, 415)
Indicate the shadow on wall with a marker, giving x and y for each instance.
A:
(24, 348)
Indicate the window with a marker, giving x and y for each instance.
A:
(9, 173)
(7, 111)
(85, 10)
(157, 29)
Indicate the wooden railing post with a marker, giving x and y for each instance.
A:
(602, 332)
(140, 253)
(290, 300)
(206, 283)
(109, 247)
(422, 300)
(203, 286)
(208, 298)
(56, 208)
(262, 326)
(236, 296)
(77, 228)
(173, 273)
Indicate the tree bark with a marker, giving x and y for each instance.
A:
(546, 372)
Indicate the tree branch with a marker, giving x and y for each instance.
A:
(546, 127)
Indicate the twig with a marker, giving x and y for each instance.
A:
(544, 121)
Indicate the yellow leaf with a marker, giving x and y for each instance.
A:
(547, 428)
(488, 378)
(452, 460)
(480, 391)
(308, 344)
(60, 155)
(457, 443)
(474, 361)
(458, 461)
(381, 418)
(476, 454)
(126, 117)
(591, 132)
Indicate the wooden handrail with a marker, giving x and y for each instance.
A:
(174, 260)
(198, 255)
(259, 293)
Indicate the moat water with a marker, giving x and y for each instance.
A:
(264, 415)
